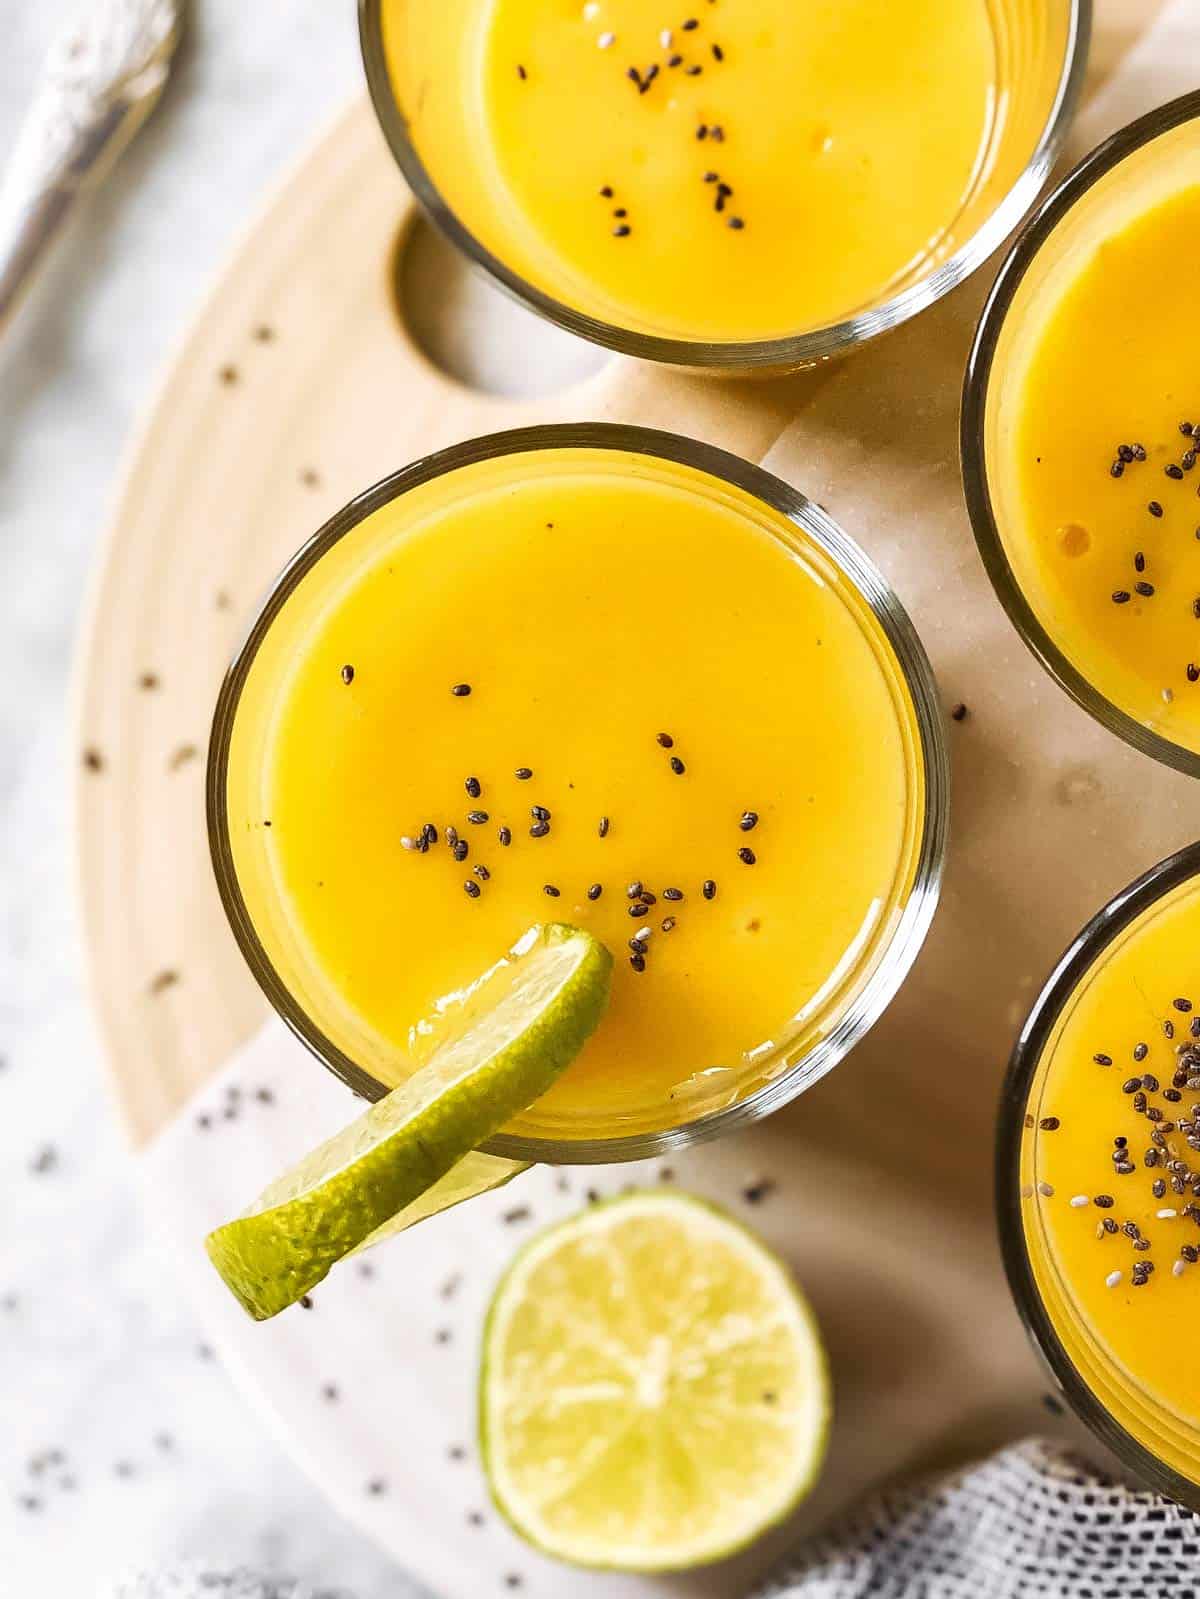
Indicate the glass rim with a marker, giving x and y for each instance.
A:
(736, 355)
(1079, 958)
(911, 925)
(1079, 182)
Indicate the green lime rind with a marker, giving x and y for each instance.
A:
(529, 1019)
(609, 1544)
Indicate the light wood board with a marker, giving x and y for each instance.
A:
(297, 387)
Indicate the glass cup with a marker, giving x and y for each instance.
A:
(1158, 1444)
(259, 911)
(1146, 157)
(1041, 54)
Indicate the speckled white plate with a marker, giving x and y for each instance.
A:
(396, 1333)
(373, 1387)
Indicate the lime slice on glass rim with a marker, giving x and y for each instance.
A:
(413, 1153)
(653, 1392)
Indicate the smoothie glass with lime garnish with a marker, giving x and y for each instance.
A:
(1098, 1175)
(593, 675)
(726, 186)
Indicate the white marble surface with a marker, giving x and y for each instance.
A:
(98, 1357)
(100, 1361)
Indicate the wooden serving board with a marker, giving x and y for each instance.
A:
(297, 387)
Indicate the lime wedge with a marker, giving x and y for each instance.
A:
(499, 1047)
(654, 1392)
(474, 1174)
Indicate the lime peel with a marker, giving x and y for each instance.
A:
(513, 1036)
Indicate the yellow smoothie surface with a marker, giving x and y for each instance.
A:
(587, 686)
(744, 170)
(1111, 1177)
(1101, 520)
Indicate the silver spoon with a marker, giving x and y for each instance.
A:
(100, 80)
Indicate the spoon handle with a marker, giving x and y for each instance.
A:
(102, 76)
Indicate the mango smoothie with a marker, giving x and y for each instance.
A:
(591, 686)
(734, 172)
(1093, 436)
(1110, 1177)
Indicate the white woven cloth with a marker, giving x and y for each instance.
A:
(1033, 1522)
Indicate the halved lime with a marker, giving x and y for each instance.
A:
(499, 1047)
(654, 1392)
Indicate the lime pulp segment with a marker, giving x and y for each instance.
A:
(654, 1392)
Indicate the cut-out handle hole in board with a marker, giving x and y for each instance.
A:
(472, 331)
